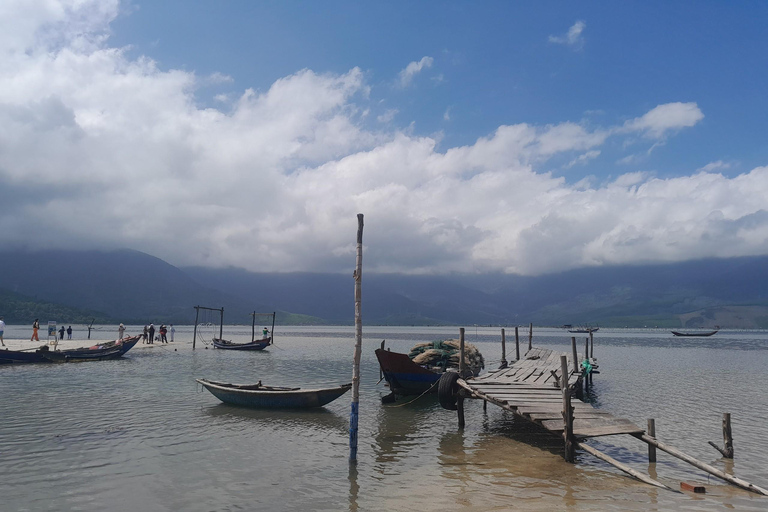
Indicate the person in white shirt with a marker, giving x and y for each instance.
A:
(2, 330)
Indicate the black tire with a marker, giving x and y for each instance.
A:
(447, 390)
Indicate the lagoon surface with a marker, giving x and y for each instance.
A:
(140, 434)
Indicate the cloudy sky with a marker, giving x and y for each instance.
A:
(475, 137)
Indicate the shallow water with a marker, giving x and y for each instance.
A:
(140, 434)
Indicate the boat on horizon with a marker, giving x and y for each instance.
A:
(695, 334)
(259, 396)
(584, 330)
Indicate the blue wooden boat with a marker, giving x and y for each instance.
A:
(272, 397)
(21, 357)
(251, 345)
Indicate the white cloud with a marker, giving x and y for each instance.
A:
(583, 158)
(99, 151)
(665, 118)
(713, 166)
(571, 38)
(387, 116)
(413, 69)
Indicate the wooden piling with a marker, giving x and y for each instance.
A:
(591, 352)
(194, 332)
(530, 336)
(462, 365)
(517, 345)
(503, 349)
(575, 354)
(727, 449)
(586, 349)
(738, 482)
(651, 433)
(460, 410)
(355, 408)
(570, 443)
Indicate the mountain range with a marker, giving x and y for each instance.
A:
(130, 286)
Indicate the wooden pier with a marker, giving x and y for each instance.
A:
(539, 388)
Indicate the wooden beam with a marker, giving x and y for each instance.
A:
(623, 467)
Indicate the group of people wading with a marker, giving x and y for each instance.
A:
(162, 334)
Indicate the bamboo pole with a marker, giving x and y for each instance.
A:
(221, 324)
(738, 482)
(253, 326)
(355, 408)
(461, 352)
(517, 344)
(575, 355)
(623, 467)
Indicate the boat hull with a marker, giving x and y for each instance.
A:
(404, 376)
(114, 350)
(694, 334)
(253, 345)
(19, 357)
(273, 398)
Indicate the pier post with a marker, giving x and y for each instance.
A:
(194, 332)
(586, 349)
(530, 336)
(517, 345)
(651, 433)
(503, 349)
(357, 275)
(570, 444)
(575, 355)
(727, 449)
(461, 353)
(591, 351)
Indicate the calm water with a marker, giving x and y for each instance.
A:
(140, 434)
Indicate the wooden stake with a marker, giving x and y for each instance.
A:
(530, 336)
(727, 449)
(586, 350)
(651, 433)
(738, 482)
(194, 333)
(517, 345)
(460, 410)
(570, 444)
(461, 352)
(503, 349)
(575, 355)
(358, 277)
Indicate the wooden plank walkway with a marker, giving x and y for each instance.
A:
(530, 388)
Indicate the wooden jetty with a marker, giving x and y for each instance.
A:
(539, 387)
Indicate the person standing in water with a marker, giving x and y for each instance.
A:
(35, 327)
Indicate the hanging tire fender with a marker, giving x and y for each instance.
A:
(448, 390)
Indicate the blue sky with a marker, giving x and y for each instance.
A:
(474, 136)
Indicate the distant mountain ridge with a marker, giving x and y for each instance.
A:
(132, 286)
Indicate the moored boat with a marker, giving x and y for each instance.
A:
(251, 345)
(695, 334)
(109, 350)
(584, 330)
(272, 397)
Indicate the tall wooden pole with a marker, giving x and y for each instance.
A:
(253, 327)
(221, 324)
(272, 332)
(462, 364)
(358, 276)
(570, 443)
(575, 354)
(517, 344)
(194, 334)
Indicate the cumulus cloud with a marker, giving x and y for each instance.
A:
(413, 69)
(571, 38)
(664, 119)
(101, 151)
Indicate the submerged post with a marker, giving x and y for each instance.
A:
(461, 352)
(517, 345)
(530, 336)
(194, 333)
(357, 275)
(503, 350)
(727, 449)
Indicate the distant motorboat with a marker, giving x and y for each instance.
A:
(694, 334)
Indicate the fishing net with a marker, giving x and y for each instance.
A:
(445, 354)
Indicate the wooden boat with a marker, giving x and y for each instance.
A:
(272, 397)
(101, 352)
(406, 377)
(251, 345)
(109, 350)
(694, 334)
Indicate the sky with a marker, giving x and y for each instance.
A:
(475, 137)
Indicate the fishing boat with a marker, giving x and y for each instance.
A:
(109, 350)
(695, 334)
(251, 345)
(272, 397)
(103, 351)
(418, 372)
